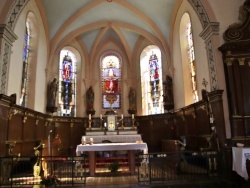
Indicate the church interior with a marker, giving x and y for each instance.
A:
(142, 83)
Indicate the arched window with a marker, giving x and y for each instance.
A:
(111, 82)
(151, 81)
(23, 96)
(192, 60)
(188, 60)
(67, 84)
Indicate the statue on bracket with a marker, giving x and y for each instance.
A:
(52, 95)
(168, 97)
(132, 101)
(90, 96)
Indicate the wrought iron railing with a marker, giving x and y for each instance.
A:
(30, 171)
(73, 171)
(182, 165)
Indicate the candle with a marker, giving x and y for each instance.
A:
(91, 139)
(105, 124)
(122, 116)
(84, 139)
(133, 116)
(89, 116)
(101, 116)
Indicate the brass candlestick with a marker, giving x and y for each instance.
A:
(89, 128)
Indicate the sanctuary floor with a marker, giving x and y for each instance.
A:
(123, 179)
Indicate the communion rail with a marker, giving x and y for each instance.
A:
(25, 171)
(183, 165)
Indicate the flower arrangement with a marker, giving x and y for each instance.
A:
(50, 181)
(113, 167)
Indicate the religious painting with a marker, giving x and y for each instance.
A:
(111, 82)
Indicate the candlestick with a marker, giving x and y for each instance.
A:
(133, 123)
(101, 122)
(89, 128)
(90, 141)
(122, 124)
(83, 141)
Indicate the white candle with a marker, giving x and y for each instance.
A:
(91, 139)
(89, 116)
(105, 124)
(101, 116)
(133, 116)
(122, 116)
(83, 138)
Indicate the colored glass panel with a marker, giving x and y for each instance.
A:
(192, 61)
(67, 84)
(111, 82)
(23, 96)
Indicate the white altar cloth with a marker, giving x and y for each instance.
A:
(112, 147)
(114, 138)
(239, 160)
(91, 149)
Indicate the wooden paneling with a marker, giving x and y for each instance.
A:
(236, 57)
(193, 120)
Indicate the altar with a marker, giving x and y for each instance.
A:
(130, 147)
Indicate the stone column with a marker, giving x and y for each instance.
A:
(208, 34)
(7, 37)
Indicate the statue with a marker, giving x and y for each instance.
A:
(168, 97)
(90, 101)
(132, 101)
(51, 96)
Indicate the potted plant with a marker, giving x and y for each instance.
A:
(113, 167)
(50, 181)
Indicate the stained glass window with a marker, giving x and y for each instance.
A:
(111, 82)
(192, 61)
(67, 84)
(23, 96)
(151, 81)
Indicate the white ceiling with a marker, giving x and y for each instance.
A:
(123, 21)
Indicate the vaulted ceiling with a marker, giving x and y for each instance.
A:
(95, 21)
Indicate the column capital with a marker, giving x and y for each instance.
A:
(211, 29)
(7, 34)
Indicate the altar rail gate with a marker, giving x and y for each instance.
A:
(25, 171)
(184, 165)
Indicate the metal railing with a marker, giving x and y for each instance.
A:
(29, 171)
(73, 171)
(184, 165)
